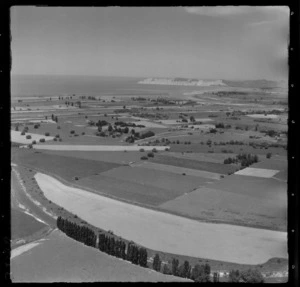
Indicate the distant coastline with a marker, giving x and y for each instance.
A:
(182, 82)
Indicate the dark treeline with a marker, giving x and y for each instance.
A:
(244, 159)
(80, 233)
(108, 244)
(138, 256)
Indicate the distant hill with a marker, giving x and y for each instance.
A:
(267, 84)
(182, 82)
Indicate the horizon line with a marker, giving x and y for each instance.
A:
(143, 77)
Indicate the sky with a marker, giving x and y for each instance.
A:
(233, 42)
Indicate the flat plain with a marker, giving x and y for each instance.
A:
(161, 190)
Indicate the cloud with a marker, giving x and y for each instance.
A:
(235, 10)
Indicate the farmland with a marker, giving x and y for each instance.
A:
(110, 214)
(70, 261)
(151, 164)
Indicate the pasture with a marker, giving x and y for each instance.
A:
(18, 138)
(127, 190)
(201, 156)
(156, 178)
(23, 225)
(240, 199)
(194, 164)
(71, 261)
(178, 170)
(65, 167)
(119, 157)
(98, 147)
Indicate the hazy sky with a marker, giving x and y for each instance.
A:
(201, 42)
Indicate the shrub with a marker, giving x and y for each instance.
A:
(252, 276)
(28, 137)
(154, 150)
(183, 174)
(144, 157)
(33, 142)
(42, 140)
(83, 133)
(47, 134)
(150, 154)
(58, 127)
(36, 126)
(55, 139)
(72, 132)
(76, 178)
(23, 133)
(60, 139)
(167, 149)
(269, 154)
(141, 150)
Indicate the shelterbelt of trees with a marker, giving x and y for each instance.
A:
(138, 255)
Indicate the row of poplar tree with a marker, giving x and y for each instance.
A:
(138, 255)
(198, 273)
(108, 244)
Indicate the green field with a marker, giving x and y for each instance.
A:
(157, 179)
(195, 164)
(239, 199)
(65, 167)
(119, 157)
(23, 225)
(61, 259)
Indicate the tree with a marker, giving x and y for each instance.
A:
(252, 276)
(192, 118)
(216, 277)
(201, 273)
(143, 257)
(185, 270)
(156, 263)
(166, 270)
(175, 264)
(110, 128)
(234, 276)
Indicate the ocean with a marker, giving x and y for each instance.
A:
(42, 86)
